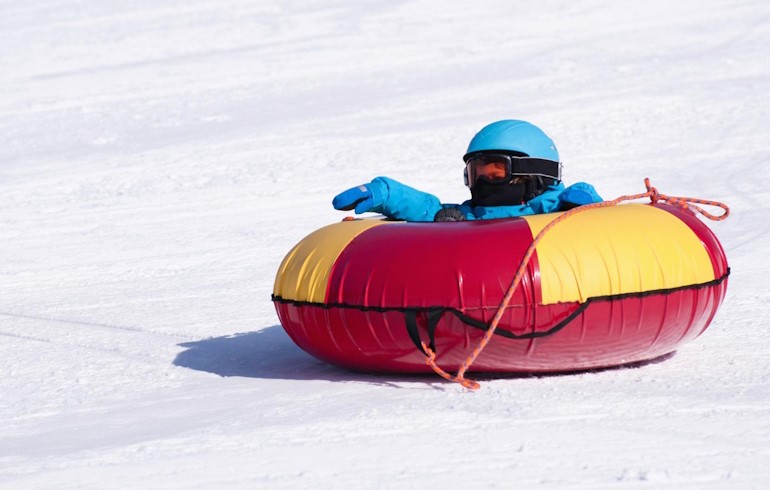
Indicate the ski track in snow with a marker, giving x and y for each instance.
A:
(158, 160)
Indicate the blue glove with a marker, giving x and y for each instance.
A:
(360, 198)
(576, 197)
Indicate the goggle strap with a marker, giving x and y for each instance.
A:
(536, 166)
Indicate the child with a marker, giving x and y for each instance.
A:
(512, 168)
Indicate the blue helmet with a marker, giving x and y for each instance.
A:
(511, 135)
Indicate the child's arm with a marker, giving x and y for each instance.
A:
(391, 198)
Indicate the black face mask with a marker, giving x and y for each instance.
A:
(486, 193)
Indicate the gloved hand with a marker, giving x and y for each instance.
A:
(449, 214)
(572, 198)
(360, 198)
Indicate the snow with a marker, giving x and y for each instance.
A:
(159, 158)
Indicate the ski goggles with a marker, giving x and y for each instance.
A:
(500, 168)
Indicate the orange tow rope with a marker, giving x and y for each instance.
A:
(652, 193)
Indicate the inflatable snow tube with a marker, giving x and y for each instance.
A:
(606, 287)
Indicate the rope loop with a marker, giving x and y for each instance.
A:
(430, 360)
(655, 197)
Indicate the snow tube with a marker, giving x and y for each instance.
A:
(606, 287)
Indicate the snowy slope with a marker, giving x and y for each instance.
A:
(159, 158)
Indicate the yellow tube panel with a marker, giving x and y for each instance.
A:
(622, 249)
(304, 273)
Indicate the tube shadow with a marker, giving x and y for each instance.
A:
(270, 354)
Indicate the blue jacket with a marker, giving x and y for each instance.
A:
(398, 201)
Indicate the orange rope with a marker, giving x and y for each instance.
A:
(652, 193)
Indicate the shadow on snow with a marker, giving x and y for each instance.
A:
(270, 354)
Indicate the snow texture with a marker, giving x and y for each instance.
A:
(158, 158)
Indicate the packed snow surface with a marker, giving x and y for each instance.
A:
(158, 158)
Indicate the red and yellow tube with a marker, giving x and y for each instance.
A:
(608, 286)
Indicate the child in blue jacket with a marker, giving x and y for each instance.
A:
(512, 168)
